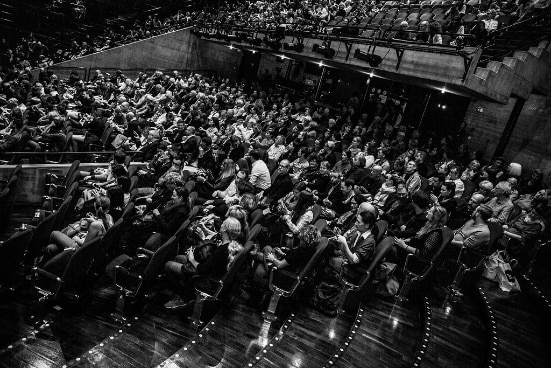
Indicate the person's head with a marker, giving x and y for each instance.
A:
(309, 236)
(324, 167)
(514, 169)
(284, 166)
(447, 190)
(101, 205)
(231, 228)
(502, 189)
(313, 162)
(255, 155)
(485, 187)
(335, 178)
(401, 189)
(179, 195)
(249, 202)
(228, 168)
(437, 216)
(365, 221)
(475, 200)
(484, 212)
(539, 205)
(537, 176)
(346, 185)
(454, 172)
(411, 167)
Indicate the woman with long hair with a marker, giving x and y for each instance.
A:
(427, 240)
(180, 272)
(227, 175)
(65, 242)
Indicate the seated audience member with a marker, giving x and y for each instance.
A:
(523, 231)
(501, 205)
(387, 188)
(65, 242)
(413, 217)
(426, 241)
(281, 184)
(180, 272)
(475, 234)
(168, 219)
(205, 189)
(260, 175)
(293, 260)
(356, 246)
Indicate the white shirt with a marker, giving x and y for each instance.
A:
(260, 175)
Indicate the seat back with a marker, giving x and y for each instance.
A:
(109, 239)
(70, 191)
(496, 233)
(12, 252)
(382, 248)
(158, 259)
(447, 236)
(253, 233)
(40, 237)
(12, 181)
(316, 212)
(4, 205)
(62, 212)
(17, 170)
(320, 249)
(229, 277)
(128, 210)
(79, 265)
(255, 217)
(70, 177)
(133, 182)
(379, 230)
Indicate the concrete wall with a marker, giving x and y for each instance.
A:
(530, 141)
(174, 50)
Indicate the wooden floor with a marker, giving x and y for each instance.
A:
(375, 333)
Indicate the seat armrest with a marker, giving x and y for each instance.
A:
(145, 251)
(286, 274)
(46, 274)
(54, 198)
(428, 266)
(204, 294)
(125, 289)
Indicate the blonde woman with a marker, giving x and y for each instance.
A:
(181, 270)
(427, 240)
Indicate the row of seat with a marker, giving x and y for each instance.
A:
(6, 196)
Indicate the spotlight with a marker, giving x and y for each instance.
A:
(298, 47)
(372, 59)
(326, 51)
(274, 44)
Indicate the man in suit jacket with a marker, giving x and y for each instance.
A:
(282, 184)
(357, 245)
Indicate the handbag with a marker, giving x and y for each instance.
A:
(504, 276)
(388, 283)
(490, 265)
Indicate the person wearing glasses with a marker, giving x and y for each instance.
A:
(281, 184)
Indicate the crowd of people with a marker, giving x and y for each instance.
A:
(235, 148)
(316, 15)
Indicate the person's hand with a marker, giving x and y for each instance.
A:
(87, 177)
(327, 202)
(156, 212)
(141, 172)
(201, 179)
(403, 227)
(505, 227)
(286, 217)
(341, 239)
(270, 257)
(148, 200)
(279, 251)
(190, 254)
